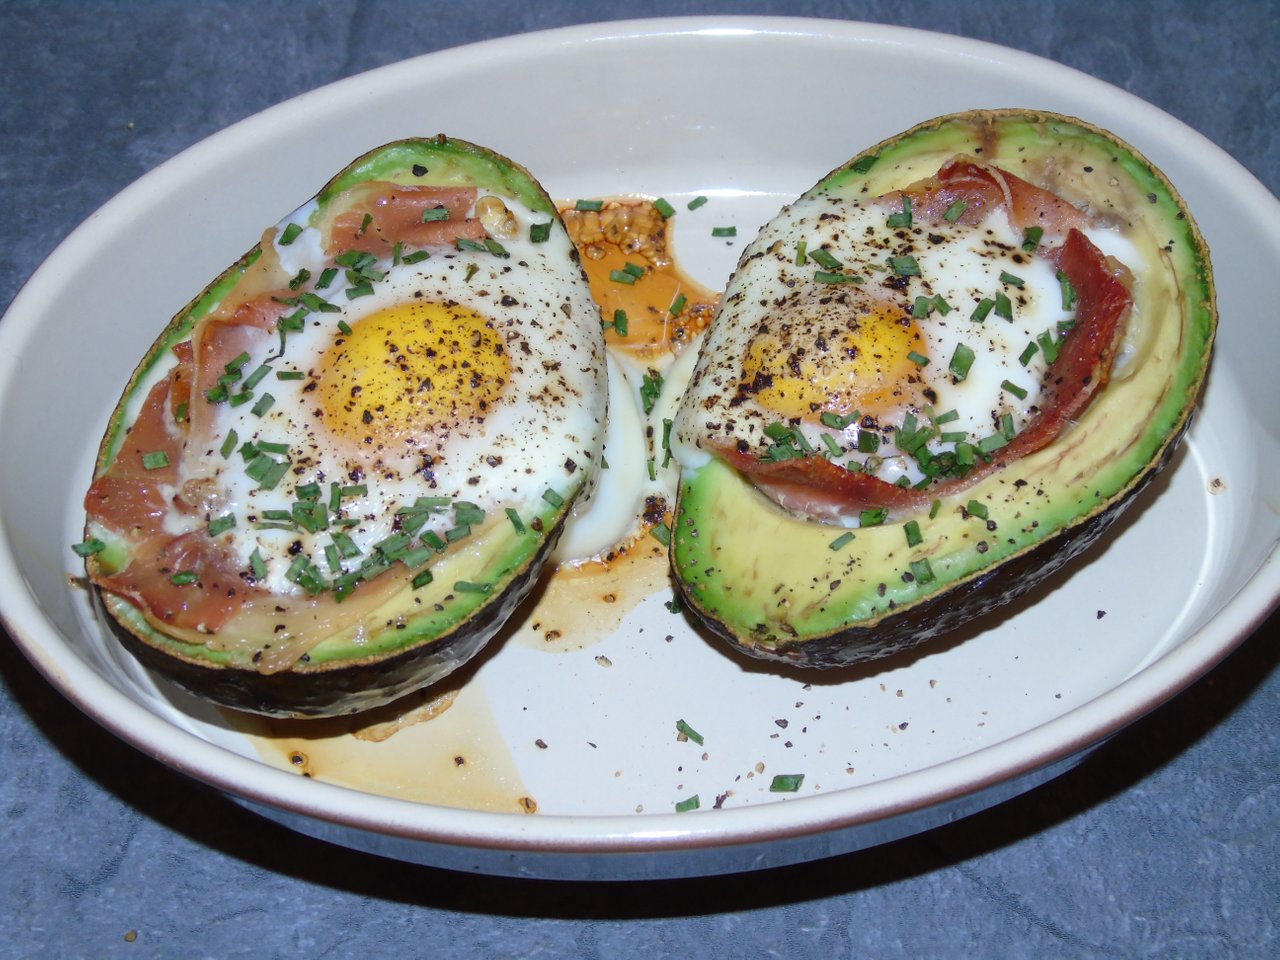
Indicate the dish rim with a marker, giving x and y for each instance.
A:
(968, 774)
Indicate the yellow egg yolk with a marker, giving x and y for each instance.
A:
(864, 366)
(416, 369)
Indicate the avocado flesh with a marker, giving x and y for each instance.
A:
(772, 584)
(408, 636)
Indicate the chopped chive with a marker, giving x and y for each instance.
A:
(837, 421)
(650, 388)
(362, 289)
(516, 522)
(904, 266)
(827, 276)
(724, 231)
(470, 586)
(842, 541)
(961, 361)
(1009, 278)
(221, 524)
(1004, 307)
(823, 258)
(688, 731)
(540, 232)
(332, 558)
(89, 547)
(184, 577)
(589, 205)
(903, 219)
(786, 783)
(326, 277)
(696, 202)
(982, 309)
(257, 565)
(472, 270)
(1048, 346)
(180, 413)
(833, 448)
(947, 417)
(236, 363)
(918, 359)
(912, 530)
(397, 253)
(922, 571)
(494, 247)
(155, 459)
(264, 404)
(346, 546)
(1028, 352)
(290, 375)
(802, 256)
(464, 243)
(435, 213)
(677, 305)
(922, 307)
(868, 442)
(1013, 388)
(290, 234)
(661, 532)
(364, 224)
(621, 276)
(1006, 426)
(1031, 238)
(299, 278)
(953, 436)
(421, 579)
(664, 208)
(934, 508)
(454, 534)
(416, 257)
(620, 322)
(651, 467)
(1068, 291)
(256, 377)
(553, 498)
(991, 443)
(955, 211)
(976, 508)
(229, 444)
(873, 516)
(687, 804)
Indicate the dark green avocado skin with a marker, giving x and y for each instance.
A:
(347, 686)
(940, 614)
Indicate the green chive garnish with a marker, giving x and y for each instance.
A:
(918, 359)
(912, 530)
(724, 231)
(662, 533)
(689, 803)
(221, 524)
(904, 266)
(184, 577)
(621, 276)
(786, 783)
(802, 256)
(922, 571)
(1004, 307)
(1013, 388)
(620, 322)
(688, 731)
(840, 542)
(1031, 238)
(903, 219)
(586, 205)
(664, 208)
(981, 310)
(1009, 278)
(823, 258)
(1028, 352)
(540, 232)
(435, 213)
(290, 234)
(1068, 291)
(470, 586)
(696, 202)
(873, 517)
(955, 211)
(89, 547)
(553, 498)
(677, 305)
(155, 460)
(516, 522)
(976, 508)
(961, 361)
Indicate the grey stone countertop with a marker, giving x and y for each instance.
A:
(1161, 844)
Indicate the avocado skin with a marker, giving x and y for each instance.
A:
(347, 686)
(797, 602)
(940, 613)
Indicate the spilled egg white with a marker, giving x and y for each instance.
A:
(464, 376)
(844, 326)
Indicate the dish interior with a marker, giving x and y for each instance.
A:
(586, 726)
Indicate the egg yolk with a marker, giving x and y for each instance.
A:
(416, 369)
(865, 366)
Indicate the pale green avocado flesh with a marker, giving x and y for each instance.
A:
(779, 586)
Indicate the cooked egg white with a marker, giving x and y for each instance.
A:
(467, 376)
(840, 324)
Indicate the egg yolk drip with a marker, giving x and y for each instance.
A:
(412, 370)
(865, 367)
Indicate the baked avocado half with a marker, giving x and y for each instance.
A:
(342, 466)
(934, 379)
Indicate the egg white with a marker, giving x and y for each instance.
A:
(543, 433)
(961, 265)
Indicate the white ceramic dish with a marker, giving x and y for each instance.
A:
(886, 750)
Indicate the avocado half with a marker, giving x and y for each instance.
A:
(782, 587)
(415, 625)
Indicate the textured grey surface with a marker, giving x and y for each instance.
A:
(1162, 844)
